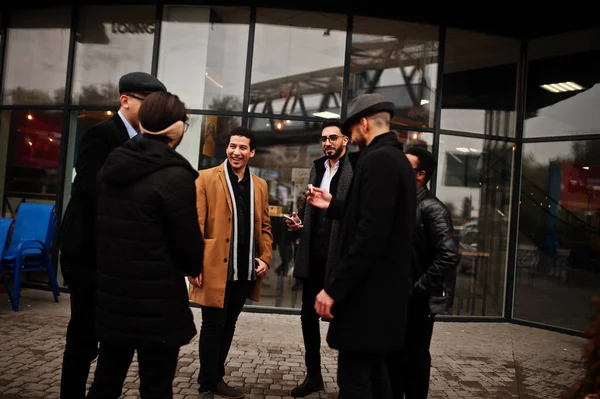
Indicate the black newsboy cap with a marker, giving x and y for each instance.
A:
(140, 82)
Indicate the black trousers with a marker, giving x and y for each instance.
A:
(409, 368)
(309, 318)
(82, 344)
(363, 376)
(216, 333)
(157, 368)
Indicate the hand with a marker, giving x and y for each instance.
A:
(262, 267)
(323, 305)
(294, 225)
(196, 281)
(319, 198)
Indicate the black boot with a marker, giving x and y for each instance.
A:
(310, 385)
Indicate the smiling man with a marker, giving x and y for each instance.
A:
(233, 212)
(318, 237)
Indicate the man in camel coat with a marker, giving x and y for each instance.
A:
(233, 212)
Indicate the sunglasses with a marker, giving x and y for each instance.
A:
(332, 138)
(136, 97)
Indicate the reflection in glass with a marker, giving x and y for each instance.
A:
(190, 145)
(214, 131)
(412, 138)
(399, 61)
(285, 164)
(30, 150)
(558, 254)
(298, 63)
(480, 82)
(111, 41)
(563, 85)
(37, 51)
(203, 55)
(474, 180)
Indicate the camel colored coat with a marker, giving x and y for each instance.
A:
(214, 216)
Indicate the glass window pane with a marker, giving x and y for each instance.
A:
(558, 254)
(30, 150)
(213, 132)
(111, 41)
(399, 61)
(563, 93)
(474, 180)
(190, 144)
(284, 156)
(298, 63)
(37, 51)
(412, 138)
(203, 55)
(480, 81)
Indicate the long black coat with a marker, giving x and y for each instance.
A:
(371, 282)
(148, 239)
(339, 189)
(76, 235)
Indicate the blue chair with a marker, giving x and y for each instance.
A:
(29, 248)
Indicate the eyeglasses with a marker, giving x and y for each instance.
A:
(186, 125)
(136, 97)
(332, 138)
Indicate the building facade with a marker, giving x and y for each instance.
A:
(513, 123)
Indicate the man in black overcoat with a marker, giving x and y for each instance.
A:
(366, 293)
(77, 233)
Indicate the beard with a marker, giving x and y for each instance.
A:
(336, 153)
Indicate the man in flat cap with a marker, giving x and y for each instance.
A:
(77, 233)
(366, 293)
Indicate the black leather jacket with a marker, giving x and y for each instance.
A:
(435, 247)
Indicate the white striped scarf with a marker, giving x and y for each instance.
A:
(234, 241)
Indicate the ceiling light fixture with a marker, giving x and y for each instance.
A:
(562, 87)
(326, 115)
(219, 85)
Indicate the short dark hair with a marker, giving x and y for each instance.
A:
(332, 122)
(160, 110)
(244, 132)
(427, 161)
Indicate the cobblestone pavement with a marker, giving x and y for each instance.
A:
(470, 360)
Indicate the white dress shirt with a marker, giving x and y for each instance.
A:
(130, 130)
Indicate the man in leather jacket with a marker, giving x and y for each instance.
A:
(436, 257)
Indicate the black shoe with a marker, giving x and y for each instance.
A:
(310, 385)
(227, 392)
(207, 395)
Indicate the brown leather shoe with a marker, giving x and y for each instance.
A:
(227, 392)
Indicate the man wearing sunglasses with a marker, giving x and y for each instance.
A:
(77, 233)
(318, 234)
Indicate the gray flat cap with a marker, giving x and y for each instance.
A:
(366, 105)
(140, 82)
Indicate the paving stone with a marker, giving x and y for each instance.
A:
(469, 360)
